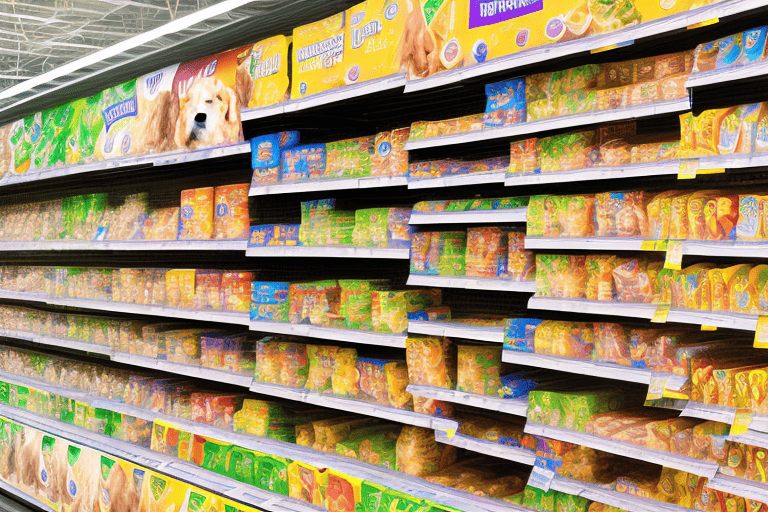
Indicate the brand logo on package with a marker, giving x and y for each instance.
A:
(490, 12)
(153, 82)
(118, 111)
(360, 34)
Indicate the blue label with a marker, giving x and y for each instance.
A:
(384, 148)
(222, 209)
(44, 475)
(126, 145)
(391, 12)
(480, 51)
(303, 87)
(126, 108)
(72, 488)
(187, 212)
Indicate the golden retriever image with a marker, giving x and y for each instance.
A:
(29, 461)
(209, 115)
(156, 128)
(53, 474)
(83, 484)
(10, 440)
(118, 492)
(244, 82)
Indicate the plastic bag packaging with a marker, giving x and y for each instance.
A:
(419, 454)
(478, 369)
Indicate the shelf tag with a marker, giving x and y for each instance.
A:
(688, 168)
(761, 332)
(612, 46)
(541, 478)
(661, 314)
(741, 422)
(674, 257)
(704, 23)
(648, 245)
(450, 433)
(708, 327)
(656, 387)
(661, 245)
(710, 171)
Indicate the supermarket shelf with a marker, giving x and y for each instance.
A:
(760, 424)
(330, 251)
(584, 244)
(188, 370)
(65, 343)
(556, 51)
(670, 460)
(613, 498)
(175, 468)
(724, 319)
(456, 330)
(709, 412)
(755, 436)
(671, 167)
(515, 406)
(21, 496)
(593, 307)
(594, 369)
(322, 185)
(458, 181)
(470, 217)
(330, 333)
(740, 487)
(162, 159)
(736, 161)
(690, 247)
(225, 317)
(499, 450)
(142, 245)
(472, 283)
(555, 123)
(25, 296)
(356, 406)
(731, 74)
(333, 96)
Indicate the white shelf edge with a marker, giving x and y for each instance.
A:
(470, 216)
(330, 251)
(621, 500)
(514, 406)
(593, 307)
(720, 248)
(548, 52)
(731, 74)
(498, 450)
(746, 489)
(583, 367)
(472, 283)
(709, 412)
(330, 333)
(661, 168)
(584, 243)
(670, 460)
(126, 245)
(587, 118)
(458, 180)
(324, 185)
(455, 330)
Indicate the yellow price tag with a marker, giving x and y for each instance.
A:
(661, 314)
(648, 245)
(674, 257)
(704, 23)
(708, 327)
(688, 168)
(741, 422)
(761, 332)
(656, 387)
(710, 171)
(661, 245)
(450, 433)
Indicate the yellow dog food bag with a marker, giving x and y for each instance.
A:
(268, 71)
(318, 56)
(120, 110)
(162, 493)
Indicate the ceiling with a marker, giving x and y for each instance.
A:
(39, 36)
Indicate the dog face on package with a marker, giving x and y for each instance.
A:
(119, 486)
(209, 102)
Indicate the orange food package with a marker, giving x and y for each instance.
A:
(389, 157)
(231, 220)
(196, 222)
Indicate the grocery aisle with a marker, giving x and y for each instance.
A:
(423, 256)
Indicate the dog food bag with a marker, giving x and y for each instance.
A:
(478, 369)
(269, 301)
(210, 96)
(196, 220)
(87, 124)
(120, 111)
(319, 56)
(231, 220)
(158, 112)
(264, 74)
(303, 162)
(373, 40)
(307, 483)
(390, 158)
(419, 454)
(506, 103)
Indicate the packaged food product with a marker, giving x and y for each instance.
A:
(478, 369)
(487, 252)
(321, 365)
(231, 204)
(419, 454)
(430, 361)
(506, 103)
(269, 301)
(346, 375)
(196, 221)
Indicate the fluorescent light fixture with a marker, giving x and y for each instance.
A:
(124, 46)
